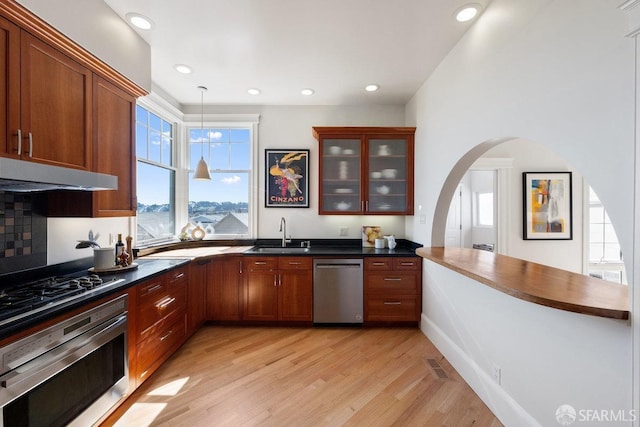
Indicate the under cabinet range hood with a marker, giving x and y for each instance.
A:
(23, 176)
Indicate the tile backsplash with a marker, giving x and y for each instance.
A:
(23, 231)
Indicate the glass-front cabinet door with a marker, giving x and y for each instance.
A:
(341, 179)
(387, 172)
(365, 171)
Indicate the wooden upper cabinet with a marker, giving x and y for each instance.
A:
(366, 170)
(9, 87)
(55, 113)
(113, 154)
(114, 148)
(62, 106)
(46, 102)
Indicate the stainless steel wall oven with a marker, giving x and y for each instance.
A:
(70, 373)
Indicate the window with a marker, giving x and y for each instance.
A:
(221, 206)
(605, 255)
(155, 152)
(484, 209)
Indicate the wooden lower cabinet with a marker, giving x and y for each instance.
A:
(392, 289)
(278, 289)
(158, 308)
(224, 289)
(196, 295)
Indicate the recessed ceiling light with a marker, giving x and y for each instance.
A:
(254, 91)
(467, 12)
(182, 68)
(371, 88)
(139, 21)
(306, 92)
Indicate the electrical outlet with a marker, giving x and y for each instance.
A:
(423, 219)
(497, 374)
(344, 231)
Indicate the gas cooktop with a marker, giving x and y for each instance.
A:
(32, 297)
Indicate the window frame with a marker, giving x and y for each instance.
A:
(604, 266)
(228, 121)
(158, 106)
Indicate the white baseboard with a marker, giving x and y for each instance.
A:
(504, 407)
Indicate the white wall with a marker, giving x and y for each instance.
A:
(559, 73)
(532, 157)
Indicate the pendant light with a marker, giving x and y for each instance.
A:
(202, 170)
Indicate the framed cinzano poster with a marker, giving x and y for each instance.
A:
(287, 178)
(547, 206)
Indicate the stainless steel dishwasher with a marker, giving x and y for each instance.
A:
(337, 291)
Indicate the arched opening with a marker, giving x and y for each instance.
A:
(593, 248)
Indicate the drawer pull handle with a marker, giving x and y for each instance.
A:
(153, 289)
(378, 263)
(166, 303)
(294, 263)
(408, 263)
(392, 303)
(167, 335)
(260, 263)
(392, 279)
(178, 276)
(19, 142)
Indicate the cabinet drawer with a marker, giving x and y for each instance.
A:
(154, 350)
(262, 263)
(153, 311)
(409, 263)
(392, 309)
(378, 263)
(179, 275)
(295, 263)
(391, 281)
(150, 291)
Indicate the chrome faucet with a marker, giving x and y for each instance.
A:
(283, 230)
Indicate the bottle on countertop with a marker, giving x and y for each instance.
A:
(119, 249)
(129, 240)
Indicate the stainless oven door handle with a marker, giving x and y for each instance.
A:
(37, 371)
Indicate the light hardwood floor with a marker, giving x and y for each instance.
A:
(246, 376)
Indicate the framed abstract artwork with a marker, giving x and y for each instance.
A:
(286, 178)
(548, 206)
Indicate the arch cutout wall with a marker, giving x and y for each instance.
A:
(510, 157)
(546, 357)
(559, 72)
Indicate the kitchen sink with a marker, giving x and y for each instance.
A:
(281, 250)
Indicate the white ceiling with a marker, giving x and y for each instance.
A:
(335, 47)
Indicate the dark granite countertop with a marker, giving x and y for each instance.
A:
(154, 264)
(322, 251)
(319, 247)
(146, 269)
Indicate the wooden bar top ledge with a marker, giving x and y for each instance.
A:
(535, 283)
